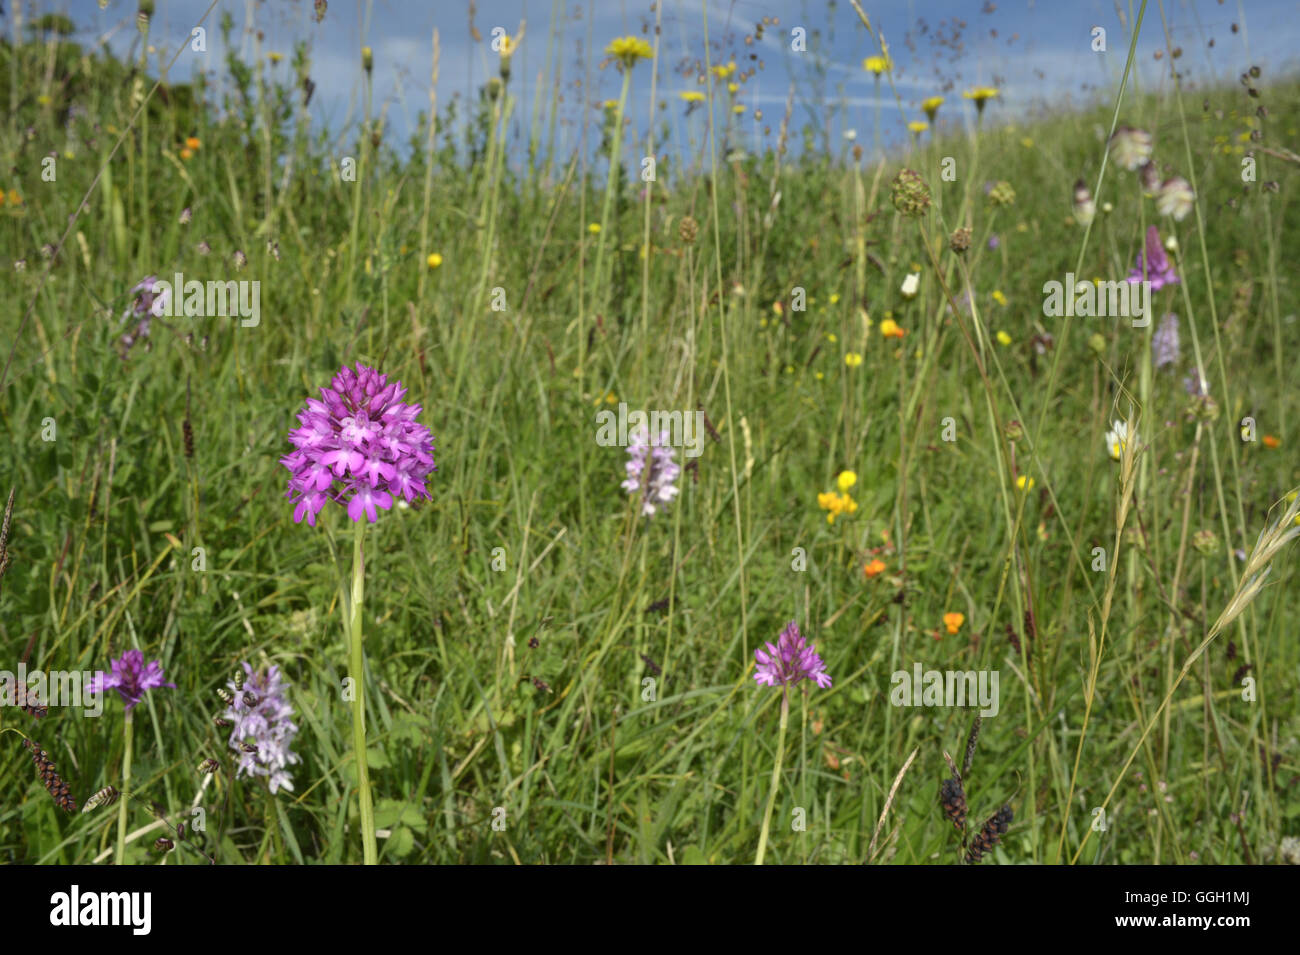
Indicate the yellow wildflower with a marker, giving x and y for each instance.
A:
(629, 49)
(981, 95)
(836, 505)
(434, 260)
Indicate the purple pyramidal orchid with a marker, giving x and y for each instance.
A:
(130, 677)
(359, 445)
(1159, 270)
(790, 661)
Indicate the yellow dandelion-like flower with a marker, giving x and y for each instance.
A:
(999, 297)
(275, 57)
(434, 260)
(593, 228)
(845, 481)
(691, 96)
(891, 329)
(877, 64)
(853, 359)
(918, 126)
(1004, 338)
(732, 87)
(835, 297)
(980, 95)
(1025, 483)
(738, 109)
(931, 106)
(628, 49)
(722, 72)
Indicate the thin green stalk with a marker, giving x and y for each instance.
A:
(357, 668)
(127, 738)
(776, 777)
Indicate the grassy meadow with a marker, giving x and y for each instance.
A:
(550, 675)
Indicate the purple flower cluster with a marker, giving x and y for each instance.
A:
(790, 661)
(651, 471)
(1164, 343)
(130, 677)
(1160, 271)
(147, 302)
(262, 718)
(359, 444)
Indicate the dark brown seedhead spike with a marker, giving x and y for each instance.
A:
(953, 800)
(994, 829)
(50, 778)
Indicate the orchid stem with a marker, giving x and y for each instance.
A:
(358, 672)
(127, 735)
(776, 776)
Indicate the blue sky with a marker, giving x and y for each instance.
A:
(1039, 53)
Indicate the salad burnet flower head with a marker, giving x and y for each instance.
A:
(359, 444)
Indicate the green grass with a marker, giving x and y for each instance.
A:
(596, 767)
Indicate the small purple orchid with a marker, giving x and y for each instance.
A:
(148, 301)
(359, 445)
(262, 716)
(130, 677)
(790, 661)
(1164, 343)
(651, 470)
(1159, 270)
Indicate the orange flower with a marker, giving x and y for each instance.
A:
(192, 143)
(890, 329)
(953, 621)
(186, 154)
(1270, 441)
(875, 567)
